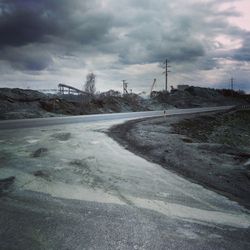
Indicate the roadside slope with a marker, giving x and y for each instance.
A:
(210, 149)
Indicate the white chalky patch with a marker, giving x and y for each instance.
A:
(94, 142)
(32, 141)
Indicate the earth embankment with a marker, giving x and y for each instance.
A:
(210, 149)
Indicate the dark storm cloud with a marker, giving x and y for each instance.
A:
(181, 31)
(27, 58)
(29, 21)
(34, 32)
(59, 23)
(24, 22)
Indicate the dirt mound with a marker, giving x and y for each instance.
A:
(27, 103)
(20, 103)
(199, 97)
(22, 95)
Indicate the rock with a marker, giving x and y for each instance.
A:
(187, 140)
(6, 183)
(39, 152)
(41, 173)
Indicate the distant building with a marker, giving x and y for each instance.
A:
(182, 87)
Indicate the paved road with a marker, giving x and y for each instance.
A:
(38, 122)
(76, 188)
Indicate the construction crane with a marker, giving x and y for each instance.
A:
(152, 87)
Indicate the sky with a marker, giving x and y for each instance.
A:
(47, 42)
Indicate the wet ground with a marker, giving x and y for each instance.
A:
(210, 149)
(76, 188)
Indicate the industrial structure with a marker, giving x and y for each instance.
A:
(125, 87)
(152, 87)
(73, 94)
(67, 89)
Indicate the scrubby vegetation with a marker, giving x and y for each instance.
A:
(231, 128)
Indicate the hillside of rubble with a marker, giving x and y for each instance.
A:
(26, 103)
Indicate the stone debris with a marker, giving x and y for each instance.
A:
(6, 183)
(39, 152)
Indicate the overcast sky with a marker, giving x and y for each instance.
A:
(46, 42)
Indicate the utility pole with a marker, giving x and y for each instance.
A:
(232, 83)
(166, 74)
(125, 87)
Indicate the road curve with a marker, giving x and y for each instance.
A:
(76, 188)
(39, 122)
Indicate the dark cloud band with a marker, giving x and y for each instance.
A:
(34, 32)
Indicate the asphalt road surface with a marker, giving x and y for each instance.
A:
(38, 122)
(76, 188)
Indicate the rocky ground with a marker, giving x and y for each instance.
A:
(21, 104)
(70, 186)
(27, 103)
(210, 149)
